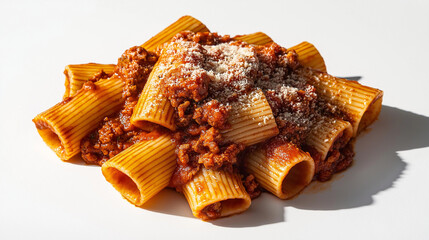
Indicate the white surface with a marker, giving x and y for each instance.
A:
(384, 195)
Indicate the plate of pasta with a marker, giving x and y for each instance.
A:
(218, 118)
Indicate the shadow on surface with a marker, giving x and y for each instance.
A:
(377, 165)
(376, 168)
(168, 201)
(77, 160)
(266, 209)
(352, 78)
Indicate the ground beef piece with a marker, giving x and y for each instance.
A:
(212, 211)
(214, 113)
(226, 157)
(201, 145)
(134, 66)
(110, 139)
(181, 85)
(206, 149)
(183, 174)
(292, 60)
(208, 141)
(100, 75)
(346, 158)
(252, 187)
(204, 38)
(183, 115)
(88, 85)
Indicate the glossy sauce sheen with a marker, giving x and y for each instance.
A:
(281, 151)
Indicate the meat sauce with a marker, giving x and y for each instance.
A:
(214, 72)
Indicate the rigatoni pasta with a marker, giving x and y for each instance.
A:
(185, 23)
(63, 126)
(328, 130)
(142, 170)
(354, 99)
(309, 56)
(281, 168)
(78, 74)
(251, 121)
(153, 108)
(257, 38)
(213, 194)
(218, 118)
(329, 144)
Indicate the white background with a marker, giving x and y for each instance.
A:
(384, 195)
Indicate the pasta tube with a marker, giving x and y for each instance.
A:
(309, 56)
(213, 194)
(153, 107)
(328, 132)
(63, 126)
(281, 168)
(185, 23)
(251, 121)
(78, 74)
(142, 170)
(257, 38)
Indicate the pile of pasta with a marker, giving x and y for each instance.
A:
(144, 169)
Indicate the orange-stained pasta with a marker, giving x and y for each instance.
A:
(280, 167)
(142, 170)
(216, 193)
(63, 126)
(78, 74)
(153, 107)
(185, 23)
(326, 132)
(251, 121)
(257, 38)
(309, 56)
(361, 104)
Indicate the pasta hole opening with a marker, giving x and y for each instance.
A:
(53, 141)
(341, 140)
(123, 183)
(230, 206)
(298, 177)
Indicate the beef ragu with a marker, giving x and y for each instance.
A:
(218, 72)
